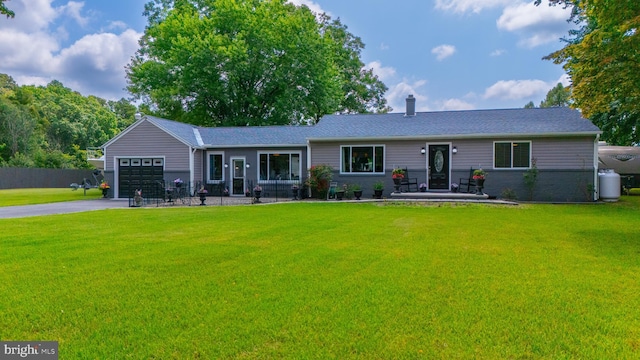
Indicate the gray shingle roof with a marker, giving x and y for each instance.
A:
(468, 123)
(181, 131)
(256, 136)
(443, 124)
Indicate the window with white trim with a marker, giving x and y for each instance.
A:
(215, 167)
(279, 166)
(362, 159)
(512, 154)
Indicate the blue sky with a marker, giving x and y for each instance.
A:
(450, 54)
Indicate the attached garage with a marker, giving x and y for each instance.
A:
(139, 173)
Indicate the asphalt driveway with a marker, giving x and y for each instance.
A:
(8, 212)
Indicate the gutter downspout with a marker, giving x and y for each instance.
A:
(308, 164)
(192, 168)
(596, 185)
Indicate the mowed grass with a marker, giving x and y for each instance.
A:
(13, 197)
(327, 281)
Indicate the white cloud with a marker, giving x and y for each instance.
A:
(516, 89)
(383, 72)
(73, 9)
(26, 51)
(115, 26)
(31, 15)
(537, 24)
(31, 53)
(311, 5)
(475, 6)
(443, 51)
(456, 104)
(97, 62)
(384, 46)
(397, 95)
(498, 52)
(565, 80)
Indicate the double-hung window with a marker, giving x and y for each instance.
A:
(512, 154)
(279, 166)
(215, 167)
(362, 159)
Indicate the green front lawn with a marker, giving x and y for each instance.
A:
(327, 281)
(12, 197)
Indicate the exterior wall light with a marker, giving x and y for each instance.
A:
(454, 150)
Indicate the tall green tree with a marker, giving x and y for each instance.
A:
(556, 97)
(602, 57)
(249, 62)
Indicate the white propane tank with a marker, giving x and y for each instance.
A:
(609, 185)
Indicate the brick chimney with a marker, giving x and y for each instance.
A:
(411, 106)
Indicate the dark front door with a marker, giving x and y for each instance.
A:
(439, 167)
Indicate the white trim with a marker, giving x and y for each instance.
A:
(450, 144)
(196, 133)
(373, 146)
(280, 152)
(244, 174)
(511, 167)
(596, 178)
(116, 169)
(427, 137)
(208, 170)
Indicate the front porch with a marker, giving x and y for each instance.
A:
(439, 195)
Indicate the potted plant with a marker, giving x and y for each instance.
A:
(294, 190)
(378, 188)
(397, 175)
(104, 187)
(178, 183)
(257, 192)
(357, 191)
(479, 176)
(423, 187)
(203, 195)
(340, 192)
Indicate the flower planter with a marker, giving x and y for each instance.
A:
(105, 192)
(479, 186)
(340, 194)
(397, 181)
(377, 193)
(257, 194)
(203, 197)
(357, 194)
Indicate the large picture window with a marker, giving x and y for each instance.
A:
(215, 167)
(362, 159)
(512, 154)
(279, 166)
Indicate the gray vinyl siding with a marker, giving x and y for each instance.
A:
(550, 153)
(146, 140)
(565, 165)
(251, 157)
(199, 165)
(405, 154)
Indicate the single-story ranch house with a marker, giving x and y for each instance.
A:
(436, 148)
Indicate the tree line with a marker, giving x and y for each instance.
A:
(52, 126)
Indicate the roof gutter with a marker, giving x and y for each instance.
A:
(459, 137)
(209, 146)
